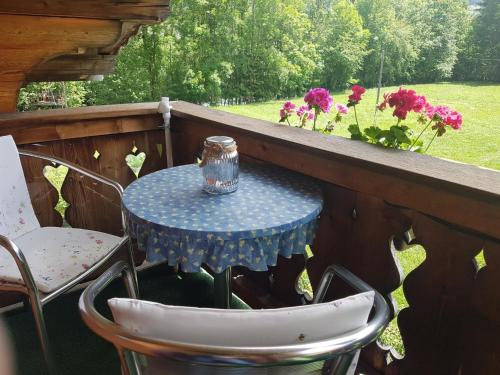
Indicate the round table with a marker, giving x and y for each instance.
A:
(272, 213)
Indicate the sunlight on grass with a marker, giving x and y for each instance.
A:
(409, 260)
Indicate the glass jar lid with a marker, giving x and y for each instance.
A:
(220, 140)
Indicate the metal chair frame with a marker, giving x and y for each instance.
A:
(36, 298)
(338, 351)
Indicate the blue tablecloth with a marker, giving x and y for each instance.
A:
(273, 212)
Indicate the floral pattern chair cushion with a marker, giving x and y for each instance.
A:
(56, 255)
(16, 212)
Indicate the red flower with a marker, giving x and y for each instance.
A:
(357, 93)
(404, 101)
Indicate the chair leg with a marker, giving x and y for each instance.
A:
(37, 309)
(133, 271)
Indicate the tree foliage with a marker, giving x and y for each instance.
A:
(480, 58)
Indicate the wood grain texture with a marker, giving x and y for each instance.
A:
(439, 292)
(94, 205)
(41, 38)
(33, 119)
(65, 130)
(27, 41)
(147, 10)
(481, 340)
(72, 68)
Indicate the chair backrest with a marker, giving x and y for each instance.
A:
(321, 338)
(17, 216)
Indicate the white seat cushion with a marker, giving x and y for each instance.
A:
(243, 328)
(271, 327)
(56, 255)
(16, 213)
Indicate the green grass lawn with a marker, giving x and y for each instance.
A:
(477, 143)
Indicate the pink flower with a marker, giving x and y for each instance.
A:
(286, 111)
(289, 106)
(319, 99)
(99, 242)
(444, 115)
(304, 110)
(342, 108)
(21, 221)
(357, 93)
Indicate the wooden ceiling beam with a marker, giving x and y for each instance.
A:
(72, 68)
(27, 41)
(54, 40)
(145, 10)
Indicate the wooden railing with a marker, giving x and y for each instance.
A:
(376, 201)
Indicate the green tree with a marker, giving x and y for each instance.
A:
(46, 95)
(486, 40)
(129, 83)
(390, 35)
(342, 43)
(440, 29)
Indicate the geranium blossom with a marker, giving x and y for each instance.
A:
(357, 93)
(403, 101)
(319, 99)
(342, 108)
(304, 110)
(287, 110)
(445, 115)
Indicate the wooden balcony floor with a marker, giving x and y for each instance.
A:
(76, 349)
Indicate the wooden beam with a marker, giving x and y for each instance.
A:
(40, 39)
(145, 10)
(27, 41)
(72, 68)
(73, 123)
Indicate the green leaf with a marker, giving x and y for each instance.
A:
(400, 134)
(373, 132)
(356, 133)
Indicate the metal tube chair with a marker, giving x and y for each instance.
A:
(27, 283)
(333, 355)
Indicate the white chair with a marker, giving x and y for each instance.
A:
(45, 262)
(322, 338)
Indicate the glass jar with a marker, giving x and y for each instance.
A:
(219, 165)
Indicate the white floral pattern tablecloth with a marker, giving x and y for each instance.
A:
(273, 212)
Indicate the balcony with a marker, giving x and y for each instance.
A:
(377, 201)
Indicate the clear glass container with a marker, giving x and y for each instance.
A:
(220, 165)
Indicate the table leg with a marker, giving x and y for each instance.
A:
(222, 289)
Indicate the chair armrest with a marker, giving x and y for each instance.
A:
(348, 277)
(75, 167)
(382, 314)
(20, 260)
